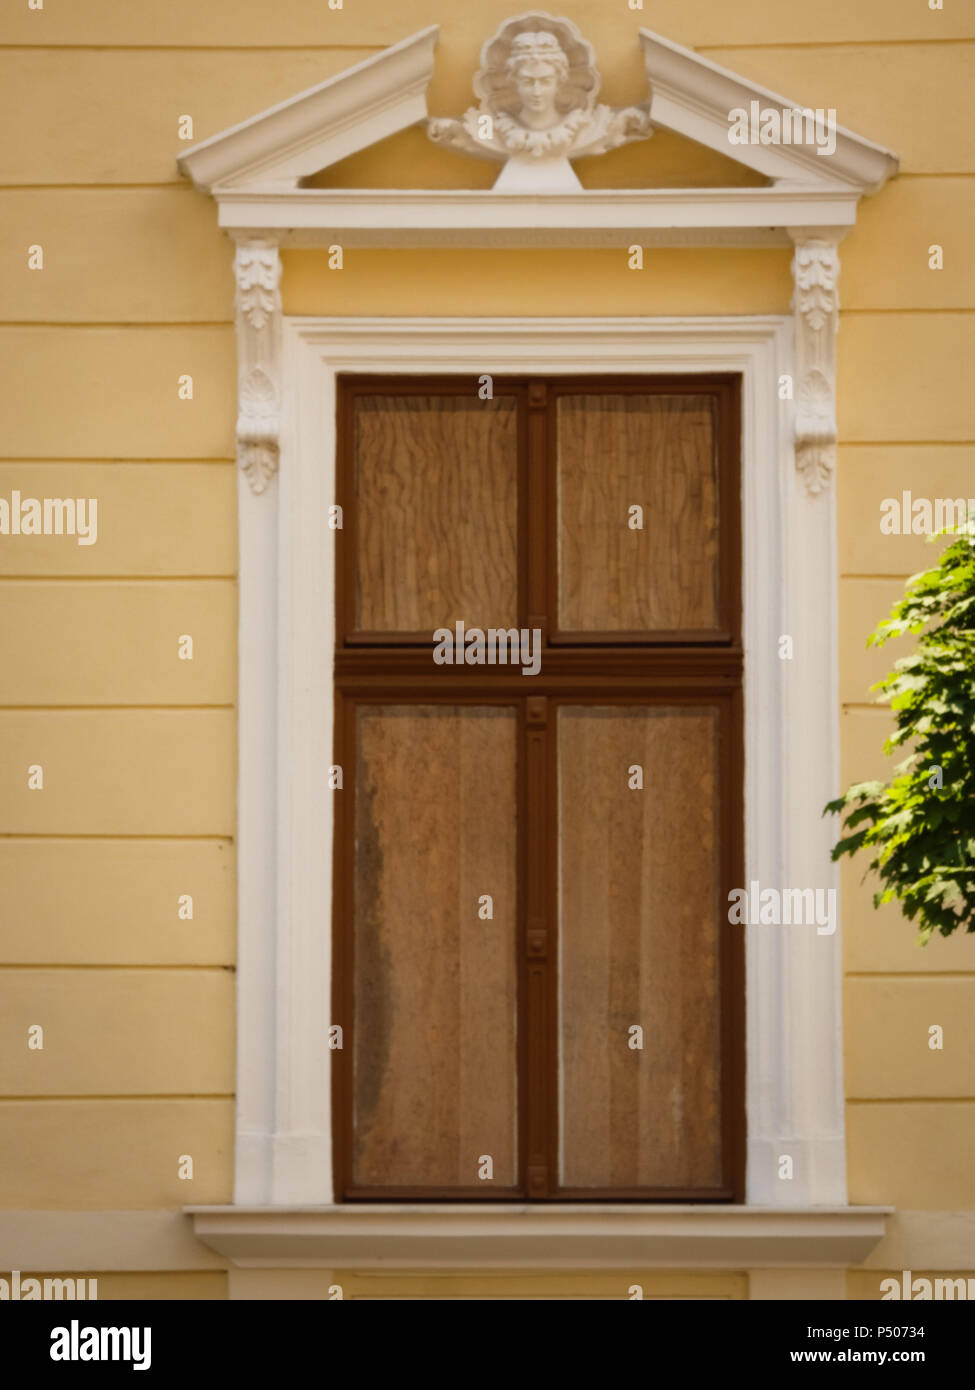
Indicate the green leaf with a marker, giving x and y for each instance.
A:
(921, 837)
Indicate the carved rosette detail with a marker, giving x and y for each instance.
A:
(815, 304)
(257, 267)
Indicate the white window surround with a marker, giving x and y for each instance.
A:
(283, 1209)
(794, 1040)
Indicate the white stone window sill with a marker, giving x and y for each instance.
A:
(453, 1236)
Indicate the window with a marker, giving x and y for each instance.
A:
(539, 994)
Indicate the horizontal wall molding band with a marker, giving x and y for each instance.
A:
(388, 1236)
(64, 1242)
(926, 1240)
(95, 1241)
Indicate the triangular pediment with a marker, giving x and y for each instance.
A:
(339, 121)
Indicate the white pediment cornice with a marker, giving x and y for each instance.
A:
(326, 123)
(432, 217)
(271, 153)
(693, 97)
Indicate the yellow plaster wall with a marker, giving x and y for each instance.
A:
(138, 749)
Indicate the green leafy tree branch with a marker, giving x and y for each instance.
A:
(921, 826)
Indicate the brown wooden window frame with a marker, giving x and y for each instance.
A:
(666, 669)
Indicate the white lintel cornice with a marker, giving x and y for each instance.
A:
(321, 125)
(593, 217)
(694, 97)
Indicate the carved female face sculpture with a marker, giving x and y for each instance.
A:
(537, 87)
(538, 67)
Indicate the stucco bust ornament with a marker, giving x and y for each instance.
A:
(537, 88)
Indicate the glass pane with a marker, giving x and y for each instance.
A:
(435, 983)
(656, 452)
(436, 481)
(639, 914)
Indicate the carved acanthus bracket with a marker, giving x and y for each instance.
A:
(815, 306)
(257, 267)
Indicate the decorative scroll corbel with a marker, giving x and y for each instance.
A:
(815, 305)
(257, 268)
